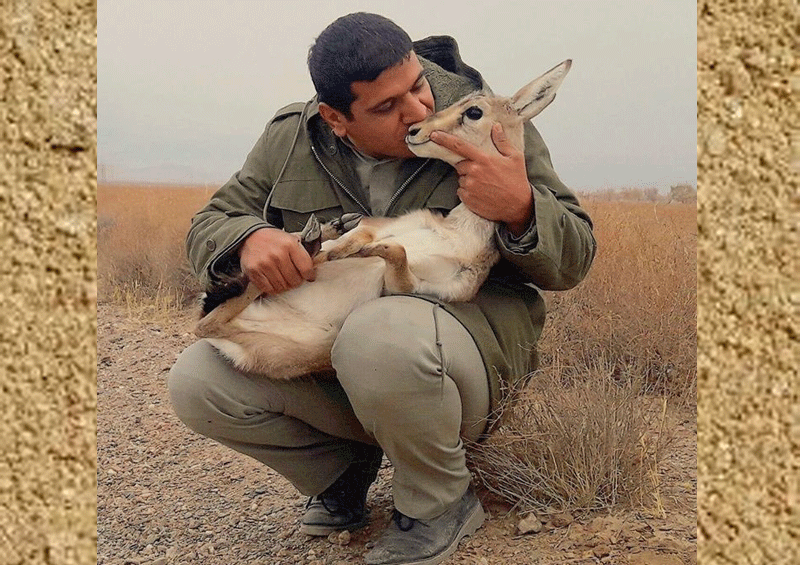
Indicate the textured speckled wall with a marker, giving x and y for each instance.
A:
(748, 143)
(47, 276)
(748, 262)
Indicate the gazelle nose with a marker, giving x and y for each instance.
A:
(413, 131)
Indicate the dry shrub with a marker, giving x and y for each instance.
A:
(140, 244)
(683, 192)
(578, 446)
(633, 194)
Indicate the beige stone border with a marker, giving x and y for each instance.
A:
(748, 143)
(748, 265)
(47, 276)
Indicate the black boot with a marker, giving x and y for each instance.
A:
(343, 505)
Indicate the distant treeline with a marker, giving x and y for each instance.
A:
(684, 193)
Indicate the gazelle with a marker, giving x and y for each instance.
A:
(291, 334)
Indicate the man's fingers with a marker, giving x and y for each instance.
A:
(501, 142)
(276, 261)
(291, 275)
(302, 264)
(465, 167)
(262, 283)
(457, 146)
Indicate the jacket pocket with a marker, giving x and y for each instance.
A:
(296, 200)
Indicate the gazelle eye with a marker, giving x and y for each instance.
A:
(473, 113)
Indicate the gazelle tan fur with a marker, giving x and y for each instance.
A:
(291, 334)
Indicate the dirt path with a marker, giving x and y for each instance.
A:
(168, 496)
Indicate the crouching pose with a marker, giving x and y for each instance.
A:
(415, 374)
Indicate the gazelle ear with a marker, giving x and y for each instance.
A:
(537, 94)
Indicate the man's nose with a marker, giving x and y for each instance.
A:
(414, 110)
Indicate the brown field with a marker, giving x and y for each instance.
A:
(636, 311)
(140, 235)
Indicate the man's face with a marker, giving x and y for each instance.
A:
(384, 109)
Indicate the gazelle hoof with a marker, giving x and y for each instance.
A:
(311, 236)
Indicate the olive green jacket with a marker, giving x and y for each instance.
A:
(298, 167)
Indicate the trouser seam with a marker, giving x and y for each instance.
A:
(440, 370)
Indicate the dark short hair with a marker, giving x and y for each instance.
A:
(355, 47)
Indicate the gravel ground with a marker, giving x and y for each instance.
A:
(169, 496)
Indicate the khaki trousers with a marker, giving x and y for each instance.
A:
(409, 378)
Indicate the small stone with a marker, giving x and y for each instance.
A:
(601, 551)
(561, 520)
(339, 538)
(530, 524)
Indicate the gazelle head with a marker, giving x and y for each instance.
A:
(472, 117)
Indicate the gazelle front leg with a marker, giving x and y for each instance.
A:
(340, 226)
(315, 234)
(398, 277)
(348, 245)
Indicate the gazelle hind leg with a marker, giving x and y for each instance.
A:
(398, 277)
(214, 323)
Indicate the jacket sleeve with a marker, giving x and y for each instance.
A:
(558, 248)
(237, 209)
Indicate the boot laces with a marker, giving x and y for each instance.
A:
(403, 522)
(334, 501)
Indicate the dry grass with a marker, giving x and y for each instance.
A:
(590, 429)
(140, 243)
(637, 309)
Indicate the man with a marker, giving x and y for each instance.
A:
(413, 375)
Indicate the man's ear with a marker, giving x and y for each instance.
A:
(333, 118)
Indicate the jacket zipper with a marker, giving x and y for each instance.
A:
(340, 183)
(403, 186)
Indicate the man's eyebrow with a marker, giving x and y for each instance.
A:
(382, 102)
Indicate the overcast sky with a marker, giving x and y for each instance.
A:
(186, 87)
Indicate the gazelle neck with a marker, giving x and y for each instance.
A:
(464, 218)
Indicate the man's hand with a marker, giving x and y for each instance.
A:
(275, 261)
(494, 186)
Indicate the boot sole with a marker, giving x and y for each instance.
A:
(320, 530)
